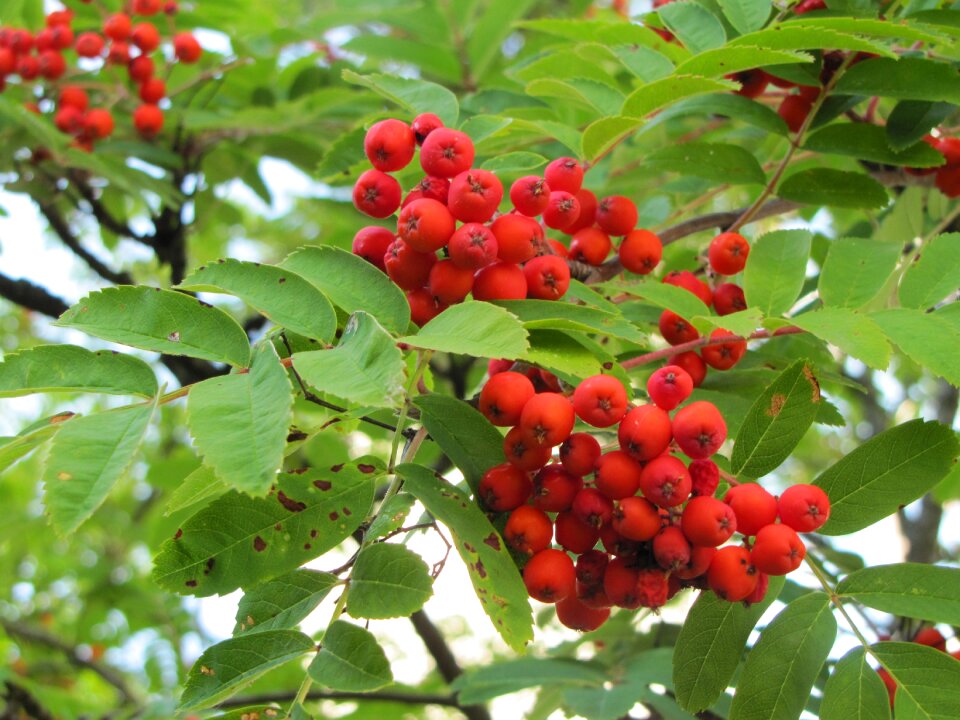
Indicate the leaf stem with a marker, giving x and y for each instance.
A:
(837, 602)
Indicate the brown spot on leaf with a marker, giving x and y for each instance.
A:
(250, 621)
(178, 534)
(282, 280)
(296, 435)
(469, 548)
(290, 504)
(278, 527)
(174, 336)
(306, 546)
(191, 583)
(323, 484)
(337, 468)
(346, 511)
(608, 366)
(481, 570)
(206, 671)
(814, 385)
(208, 566)
(334, 516)
(776, 404)
(313, 533)
(259, 544)
(493, 541)
(64, 475)
(365, 468)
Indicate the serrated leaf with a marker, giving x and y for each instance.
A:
(365, 368)
(202, 484)
(711, 643)
(855, 270)
(549, 314)
(890, 470)
(909, 78)
(55, 368)
(352, 284)
(515, 162)
(664, 295)
(161, 320)
(563, 63)
(854, 691)
(910, 120)
(473, 328)
(279, 295)
(485, 683)
(464, 435)
(416, 96)
(747, 15)
(928, 681)
(742, 322)
(712, 161)
(784, 664)
(777, 421)
(855, 334)
(606, 33)
(86, 458)
(729, 105)
(869, 142)
(929, 339)
(395, 510)
(350, 660)
(565, 354)
(932, 277)
(493, 25)
(29, 439)
(597, 95)
(388, 581)
(661, 93)
(927, 592)
(835, 188)
(240, 422)
(228, 666)
(798, 37)
(340, 156)
(727, 60)
(604, 133)
(492, 571)
(775, 270)
(646, 63)
(871, 27)
(696, 27)
(281, 603)
(238, 540)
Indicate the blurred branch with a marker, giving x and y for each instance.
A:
(19, 699)
(391, 696)
(101, 214)
(63, 231)
(32, 297)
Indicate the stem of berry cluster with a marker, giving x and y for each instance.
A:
(704, 341)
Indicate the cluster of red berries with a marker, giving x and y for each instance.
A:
(931, 637)
(655, 518)
(493, 255)
(40, 63)
(946, 176)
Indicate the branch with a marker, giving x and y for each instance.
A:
(703, 342)
(32, 297)
(41, 637)
(63, 231)
(19, 698)
(392, 696)
(101, 214)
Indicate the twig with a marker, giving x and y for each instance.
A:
(392, 696)
(63, 231)
(32, 297)
(19, 698)
(703, 342)
(101, 214)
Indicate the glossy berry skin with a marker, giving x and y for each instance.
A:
(565, 174)
(433, 188)
(617, 215)
(554, 488)
(728, 298)
(530, 195)
(409, 269)
(371, 244)
(548, 418)
(186, 48)
(590, 567)
(119, 54)
(519, 238)
(528, 530)
(473, 246)
(562, 210)
(805, 508)
(423, 306)
(777, 550)
(503, 397)
(579, 453)
(690, 282)
(700, 558)
(504, 487)
(426, 225)
(600, 400)
(675, 329)
(728, 253)
(588, 211)
(708, 522)
(449, 283)
(148, 120)
(665, 481)
(500, 281)
(699, 429)
(754, 507)
(590, 245)
(446, 153)
(52, 65)
(146, 37)
(618, 475)
(592, 507)
(550, 576)
(760, 590)
(723, 355)
(671, 548)
(573, 534)
(376, 194)
(640, 251)
(577, 615)
(389, 145)
(89, 45)
(98, 124)
(548, 277)
(705, 476)
(424, 124)
(474, 195)
(68, 119)
(645, 432)
(636, 518)
(669, 386)
(731, 575)
(523, 452)
(693, 364)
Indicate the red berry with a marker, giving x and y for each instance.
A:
(504, 487)
(577, 615)
(699, 429)
(500, 281)
(146, 7)
(931, 637)
(59, 18)
(665, 481)
(117, 27)
(644, 432)
(119, 54)
(760, 591)
(592, 507)
(523, 452)
(777, 550)
(28, 67)
(52, 64)
(547, 418)
(590, 245)
(185, 47)
(693, 364)
(700, 558)
(8, 61)
(652, 588)
(68, 119)
(423, 306)
(153, 91)
(640, 251)
(588, 211)
(794, 110)
(675, 329)
(550, 576)
(433, 188)
(669, 386)
(530, 195)
(409, 269)
(617, 215)
(573, 534)
(389, 145)
(564, 174)
(731, 575)
(688, 281)
(618, 475)
(728, 298)
(671, 548)
(519, 238)
(446, 153)
(600, 400)
(705, 476)
(142, 68)
(21, 41)
(528, 530)
(728, 253)
(548, 277)
(146, 37)
(371, 244)
(752, 82)
(554, 488)
(376, 194)
(590, 567)
(474, 195)
(473, 246)
(620, 584)
(723, 355)
(62, 36)
(503, 397)
(708, 522)
(754, 507)
(75, 97)
(562, 210)
(426, 225)
(579, 453)
(636, 518)
(450, 283)
(805, 508)
(423, 125)
(148, 120)
(98, 124)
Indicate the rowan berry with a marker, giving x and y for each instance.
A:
(503, 397)
(519, 238)
(389, 145)
(504, 487)
(446, 153)
(145, 36)
(723, 355)
(407, 268)
(592, 507)
(548, 277)
(577, 615)
(423, 306)
(728, 298)
(645, 432)
(98, 124)
(665, 481)
(449, 283)
(731, 575)
(669, 386)
(426, 225)
(708, 522)
(376, 194)
(528, 530)
(620, 583)
(573, 534)
(636, 518)
(777, 550)
(699, 429)
(473, 246)
(700, 558)
(565, 174)
(524, 452)
(118, 27)
(692, 363)
(590, 245)
(805, 508)
(530, 195)
(618, 475)
(550, 576)
(671, 548)
(185, 47)
(474, 195)
(588, 212)
(554, 488)
(371, 244)
(640, 251)
(424, 124)
(617, 215)
(500, 281)
(690, 282)
(754, 507)
(600, 400)
(728, 253)
(579, 454)
(675, 329)
(148, 120)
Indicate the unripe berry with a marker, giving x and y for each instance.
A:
(777, 550)
(590, 245)
(579, 453)
(618, 475)
(640, 251)
(424, 124)
(528, 530)
(530, 195)
(690, 282)
(186, 48)
(389, 145)
(573, 534)
(600, 400)
(554, 488)
(548, 277)
(426, 225)
(524, 452)
(446, 153)
(148, 120)
(675, 329)
(805, 508)
(376, 194)
(503, 397)
(371, 244)
(645, 432)
(731, 575)
(617, 215)
(550, 576)
(409, 269)
(500, 281)
(519, 238)
(473, 246)
(565, 174)
(723, 355)
(562, 210)
(577, 615)
(699, 429)
(754, 507)
(504, 487)
(665, 481)
(693, 364)
(669, 386)
(146, 37)
(728, 298)
(636, 518)
(450, 283)
(708, 522)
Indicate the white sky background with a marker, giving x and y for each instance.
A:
(27, 252)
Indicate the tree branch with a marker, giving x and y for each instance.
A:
(32, 297)
(703, 341)
(392, 696)
(101, 214)
(63, 231)
(20, 699)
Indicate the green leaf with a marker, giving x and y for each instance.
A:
(238, 540)
(910, 120)
(855, 334)
(797, 37)
(240, 422)
(928, 680)
(835, 188)
(567, 64)
(854, 691)
(746, 15)
(505, 677)
(712, 161)
(352, 284)
(29, 439)
(415, 96)
(870, 142)
(855, 270)
(549, 314)
(604, 133)
(695, 26)
(281, 603)
(350, 660)
(279, 295)
(934, 275)
(909, 78)
(777, 421)
(661, 93)
(930, 339)
(233, 664)
(784, 664)
(710, 645)
(202, 484)
(473, 328)
(606, 33)
(597, 95)
(890, 470)
(432, 58)
(927, 592)
(162, 320)
(515, 162)
(669, 297)
(464, 435)
(728, 60)
(616, 698)
(86, 458)
(776, 269)
(564, 354)
(391, 514)
(732, 106)
(742, 323)
(55, 368)
(366, 367)
(492, 571)
(493, 25)
(388, 581)
(901, 29)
